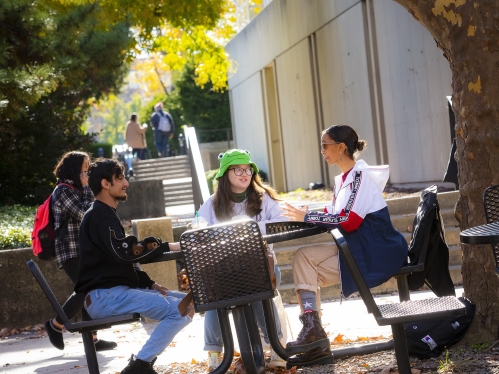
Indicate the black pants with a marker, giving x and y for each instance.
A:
(74, 303)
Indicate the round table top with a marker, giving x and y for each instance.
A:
(483, 234)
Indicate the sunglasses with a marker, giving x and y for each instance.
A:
(324, 145)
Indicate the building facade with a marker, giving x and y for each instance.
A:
(303, 65)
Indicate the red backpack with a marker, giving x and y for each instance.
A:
(43, 234)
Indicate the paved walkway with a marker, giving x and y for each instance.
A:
(32, 353)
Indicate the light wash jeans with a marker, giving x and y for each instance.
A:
(149, 303)
(213, 334)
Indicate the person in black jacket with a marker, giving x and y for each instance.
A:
(107, 276)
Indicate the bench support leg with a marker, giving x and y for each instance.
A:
(403, 287)
(252, 365)
(223, 319)
(268, 312)
(401, 352)
(88, 344)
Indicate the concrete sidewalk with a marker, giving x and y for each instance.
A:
(32, 353)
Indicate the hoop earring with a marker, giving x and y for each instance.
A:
(341, 158)
(107, 192)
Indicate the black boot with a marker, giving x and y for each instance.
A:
(312, 335)
(151, 370)
(137, 366)
(316, 356)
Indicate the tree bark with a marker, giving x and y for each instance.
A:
(468, 33)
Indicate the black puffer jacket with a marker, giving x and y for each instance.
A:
(428, 240)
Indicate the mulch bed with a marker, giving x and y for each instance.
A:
(459, 360)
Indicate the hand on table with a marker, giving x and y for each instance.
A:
(294, 214)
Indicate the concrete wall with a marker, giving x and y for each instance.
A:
(210, 152)
(22, 301)
(362, 62)
(145, 200)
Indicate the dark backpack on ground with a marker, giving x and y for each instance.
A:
(429, 338)
(43, 234)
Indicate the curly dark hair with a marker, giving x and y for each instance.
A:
(223, 200)
(103, 168)
(69, 168)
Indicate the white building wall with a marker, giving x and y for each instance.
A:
(344, 80)
(282, 24)
(406, 95)
(249, 120)
(415, 79)
(300, 136)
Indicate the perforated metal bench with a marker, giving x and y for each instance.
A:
(85, 328)
(491, 205)
(227, 270)
(397, 314)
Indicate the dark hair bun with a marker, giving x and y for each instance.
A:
(361, 144)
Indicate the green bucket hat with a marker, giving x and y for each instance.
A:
(234, 157)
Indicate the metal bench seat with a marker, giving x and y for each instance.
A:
(441, 307)
(397, 314)
(84, 327)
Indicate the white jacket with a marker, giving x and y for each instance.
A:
(359, 195)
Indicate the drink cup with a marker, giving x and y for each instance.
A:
(199, 223)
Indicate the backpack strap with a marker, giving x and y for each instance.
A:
(62, 230)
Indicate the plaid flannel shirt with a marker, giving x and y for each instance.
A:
(69, 204)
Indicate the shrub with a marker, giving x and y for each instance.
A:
(210, 178)
(16, 223)
(93, 149)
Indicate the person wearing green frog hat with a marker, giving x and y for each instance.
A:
(240, 192)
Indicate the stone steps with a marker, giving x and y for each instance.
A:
(402, 213)
(175, 172)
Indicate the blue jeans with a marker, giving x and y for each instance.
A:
(162, 142)
(213, 334)
(149, 303)
(140, 153)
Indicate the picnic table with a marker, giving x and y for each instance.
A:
(244, 319)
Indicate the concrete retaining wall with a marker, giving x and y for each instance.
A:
(22, 302)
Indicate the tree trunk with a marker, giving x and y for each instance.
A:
(468, 33)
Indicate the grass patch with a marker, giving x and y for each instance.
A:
(16, 223)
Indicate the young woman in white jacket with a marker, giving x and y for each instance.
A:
(359, 211)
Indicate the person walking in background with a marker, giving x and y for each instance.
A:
(359, 211)
(70, 200)
(164, 128)
(240, 192)
(135, 137)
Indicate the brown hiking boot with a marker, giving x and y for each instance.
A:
(316, 356)
(312, 335)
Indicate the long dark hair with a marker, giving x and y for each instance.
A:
(347, 135)
(223, 200)
(68, 169)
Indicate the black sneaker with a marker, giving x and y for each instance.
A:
(55, 335)
(104, 345)
(137, 366)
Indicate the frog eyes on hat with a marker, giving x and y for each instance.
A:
(220, 156)
(247, 152)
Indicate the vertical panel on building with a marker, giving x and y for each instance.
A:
(249, 120)
(298, 120)
(341, 51)
(415, 78)
(277, 176)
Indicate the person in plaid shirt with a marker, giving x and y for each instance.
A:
(70, 200)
